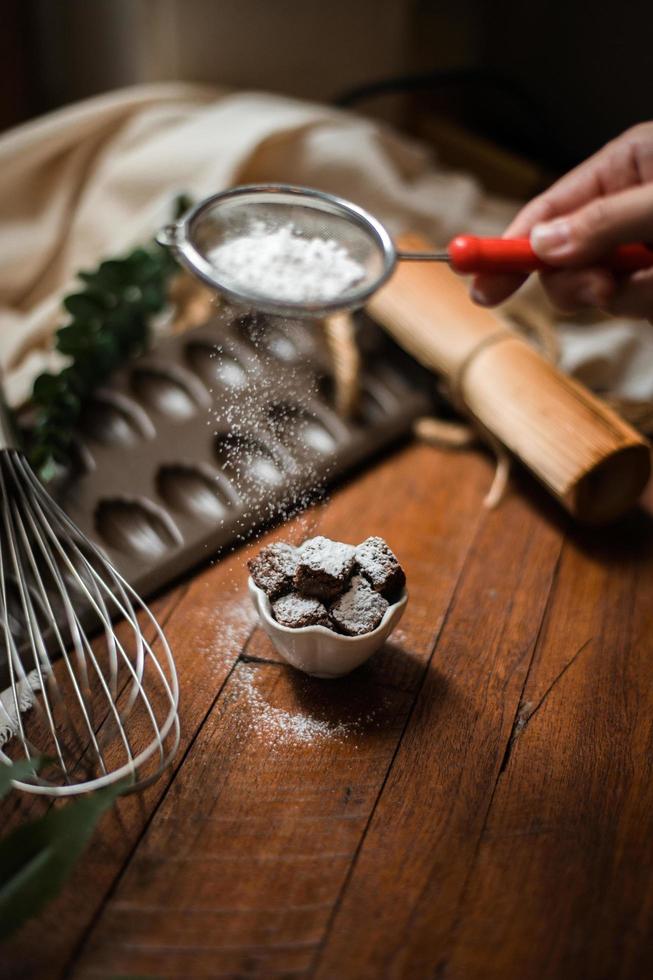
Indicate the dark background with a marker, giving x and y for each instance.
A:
(549, 81)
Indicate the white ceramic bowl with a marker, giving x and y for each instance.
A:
(319, 651)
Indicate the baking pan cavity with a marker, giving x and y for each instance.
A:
(166, 392)
(294, 425)
(195, 490)
(214, 365)
(113, 419)
(247, 459)
(136, 525)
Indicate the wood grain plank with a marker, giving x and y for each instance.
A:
(260, 828)
(562, 885)
(411, 870)
(259, 870)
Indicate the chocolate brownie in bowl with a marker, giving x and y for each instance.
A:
(326, 605)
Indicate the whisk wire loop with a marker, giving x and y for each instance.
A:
(90, 655)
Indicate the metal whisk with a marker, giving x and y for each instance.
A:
(84, 654)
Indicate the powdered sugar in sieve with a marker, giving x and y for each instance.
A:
(283, 265)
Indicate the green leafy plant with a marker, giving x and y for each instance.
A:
(109, 323)
(37, 857)
(17, 770)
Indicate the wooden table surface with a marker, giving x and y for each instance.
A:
(475, 802)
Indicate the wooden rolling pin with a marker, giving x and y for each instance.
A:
(588, 457)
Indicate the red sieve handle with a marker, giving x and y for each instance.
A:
(467, 253)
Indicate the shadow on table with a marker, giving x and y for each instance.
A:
(628, 540)
(375, 697)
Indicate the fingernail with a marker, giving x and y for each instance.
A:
(589, 295)
(479, 296)
(551, 238)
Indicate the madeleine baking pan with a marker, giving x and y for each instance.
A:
(222, 430)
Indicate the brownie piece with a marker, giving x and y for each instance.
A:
(273, 568)
(380, 567)
(323, 567)
(296, 611)
(359, 610)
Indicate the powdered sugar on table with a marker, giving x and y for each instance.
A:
(276, 726)
(280, 264)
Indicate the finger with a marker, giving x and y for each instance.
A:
(489, 290)
(571, 192)
(624, 162)
(571, 290)
(579, 186)
(634, 297)
(589, 233)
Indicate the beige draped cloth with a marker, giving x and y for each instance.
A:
(93, 179)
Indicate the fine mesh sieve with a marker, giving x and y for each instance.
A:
(311, 213)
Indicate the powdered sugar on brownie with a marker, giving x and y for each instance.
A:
(359, 610)
(333, 557)
(323, 567)
(273, 568)
(379, 565)
(297, 611)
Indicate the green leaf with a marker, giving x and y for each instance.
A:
(109, 323)
(78, 337)
(36, 858)
(182, 203)
(58, 440)
(65, 409)
(47, 469)
(90, 278)
(138, 259)
(86, 305)
(112, 274)
(46, 388)
(153, 298)
(75, 381)
(17, 770)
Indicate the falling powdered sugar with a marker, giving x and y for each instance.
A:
(280, 264)
(266, 477)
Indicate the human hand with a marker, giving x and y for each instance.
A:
(604, 202)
